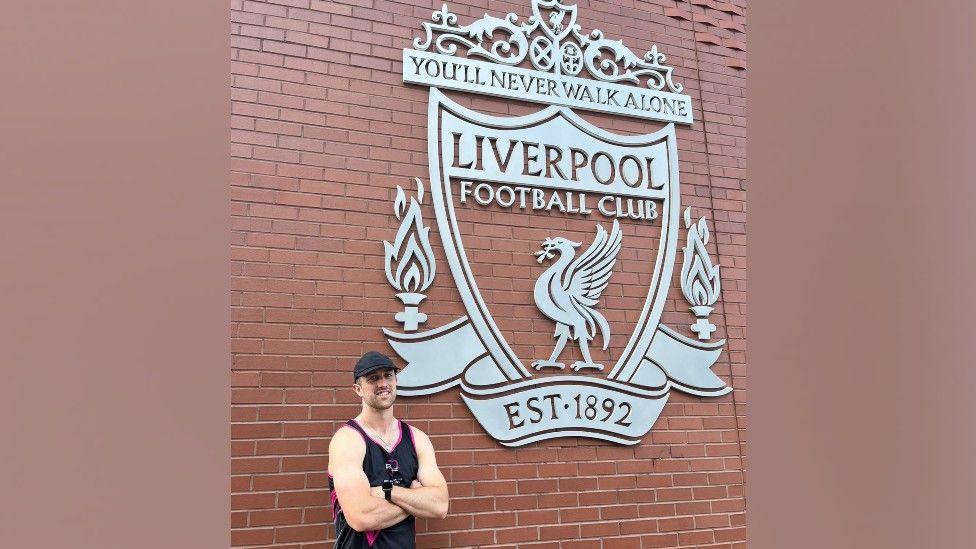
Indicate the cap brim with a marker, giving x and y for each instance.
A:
(371, 369)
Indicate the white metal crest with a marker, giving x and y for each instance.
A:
(551, 159)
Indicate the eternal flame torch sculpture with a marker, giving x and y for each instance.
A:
(700, 281)
(409, 259)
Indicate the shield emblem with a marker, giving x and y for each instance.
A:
(553, 161)
(557, 19)
(559, 127)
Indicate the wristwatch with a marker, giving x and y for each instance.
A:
(388, 489)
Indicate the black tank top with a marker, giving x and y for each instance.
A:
(400, 466)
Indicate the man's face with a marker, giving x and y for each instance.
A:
(377, 388)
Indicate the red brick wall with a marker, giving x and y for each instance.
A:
(323, 132)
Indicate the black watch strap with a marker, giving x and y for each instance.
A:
(388, 490)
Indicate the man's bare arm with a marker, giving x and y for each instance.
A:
(429, 500)
(363, 511)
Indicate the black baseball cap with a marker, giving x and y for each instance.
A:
(371, 361)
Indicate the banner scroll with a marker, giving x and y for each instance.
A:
(539, 408)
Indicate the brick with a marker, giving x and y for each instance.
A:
(256, 396)
(279, 482)
(299, 533)
(510, 535)
(475, 538)
(252, 501)
(274, 517)
(251, 536)
(254, 465)
(238, 519)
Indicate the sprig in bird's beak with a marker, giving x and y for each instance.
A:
(546, 251)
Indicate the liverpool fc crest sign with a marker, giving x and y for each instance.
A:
(561, 333)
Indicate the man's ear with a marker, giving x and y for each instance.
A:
(357, 389)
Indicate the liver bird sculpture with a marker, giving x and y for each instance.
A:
(568, 291)
(556, 21)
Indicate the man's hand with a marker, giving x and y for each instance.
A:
(427, 496)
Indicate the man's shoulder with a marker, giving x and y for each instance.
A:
(345, 436)
(345, 449)
(416, 434)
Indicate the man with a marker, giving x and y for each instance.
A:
(382, 472)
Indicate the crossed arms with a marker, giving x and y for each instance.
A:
(364, 507)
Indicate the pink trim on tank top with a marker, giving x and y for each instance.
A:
(334, 497)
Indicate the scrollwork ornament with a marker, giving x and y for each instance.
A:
(623, 65)
(477, 37)
(561, 47)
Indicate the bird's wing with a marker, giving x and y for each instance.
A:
(588, 276)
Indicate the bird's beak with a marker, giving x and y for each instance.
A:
(541, 255)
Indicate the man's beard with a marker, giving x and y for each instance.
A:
(375, 401)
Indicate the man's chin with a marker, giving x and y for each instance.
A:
(381, 403)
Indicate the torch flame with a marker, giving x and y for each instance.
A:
(700, 280)
(399, 203)
(410, 259)
(411, 282)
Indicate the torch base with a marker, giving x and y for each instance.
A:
(702, 327)
(410, 317)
